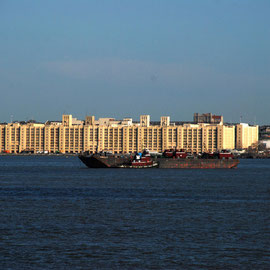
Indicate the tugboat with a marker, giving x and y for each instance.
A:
(141, 161)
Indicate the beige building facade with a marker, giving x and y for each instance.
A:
(246, 135)
(124, 136)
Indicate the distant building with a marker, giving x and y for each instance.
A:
(266, 143)
(264, 132)
(246, 135)
(123, 136)
(207, 118)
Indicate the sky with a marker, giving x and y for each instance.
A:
(123, 58)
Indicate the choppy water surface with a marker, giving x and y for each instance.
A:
(57, 214)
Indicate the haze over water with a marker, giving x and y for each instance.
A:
(58, 214)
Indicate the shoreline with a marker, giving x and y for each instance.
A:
(77, 154)
(45, 155)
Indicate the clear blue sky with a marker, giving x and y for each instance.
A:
(126, 58)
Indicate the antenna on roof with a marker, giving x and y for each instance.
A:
(11, 118)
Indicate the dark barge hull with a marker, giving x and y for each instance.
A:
(169, 163)
(123, 161)
(112, 161)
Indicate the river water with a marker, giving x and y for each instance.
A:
(57, 214)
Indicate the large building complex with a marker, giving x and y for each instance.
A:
(122, 136)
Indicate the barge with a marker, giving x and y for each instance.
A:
(169, 159)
